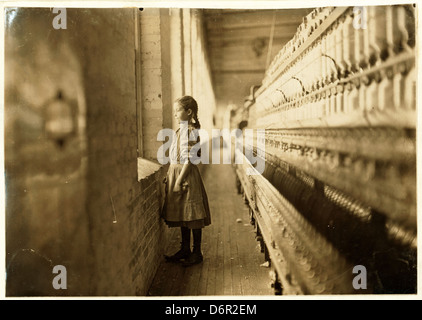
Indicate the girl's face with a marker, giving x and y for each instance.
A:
(180, 113)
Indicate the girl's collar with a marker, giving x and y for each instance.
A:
(190, 126)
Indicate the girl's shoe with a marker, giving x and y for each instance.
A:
(194, 258)
(182, 254)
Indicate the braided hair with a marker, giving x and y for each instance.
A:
(187, 102)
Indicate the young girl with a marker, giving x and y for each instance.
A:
(186, 201)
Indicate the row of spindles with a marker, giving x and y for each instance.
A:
(363, 62)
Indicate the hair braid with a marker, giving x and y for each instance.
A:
(196, 123)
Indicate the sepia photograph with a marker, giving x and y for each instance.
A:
(174, 152)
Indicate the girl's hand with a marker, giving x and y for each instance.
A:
(177, 187)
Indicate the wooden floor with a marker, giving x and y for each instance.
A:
(232, 263)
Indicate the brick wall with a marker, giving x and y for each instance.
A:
(125, 227)
(62, 203)
(152, 79)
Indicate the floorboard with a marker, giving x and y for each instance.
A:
(232, 263)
